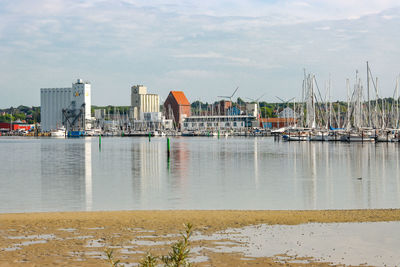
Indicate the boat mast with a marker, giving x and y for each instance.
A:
(369, 102)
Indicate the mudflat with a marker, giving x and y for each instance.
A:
(80, 238)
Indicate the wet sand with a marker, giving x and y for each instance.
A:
(80, 238)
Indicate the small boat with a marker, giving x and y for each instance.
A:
(319, 136)
(59, 132)
(76, 133)
(295, 137)
(357, 138)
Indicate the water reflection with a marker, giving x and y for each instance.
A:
(66, 171)
(201, 173)
(88, 175)
(146, 177)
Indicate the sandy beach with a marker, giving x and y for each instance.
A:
(80, 238)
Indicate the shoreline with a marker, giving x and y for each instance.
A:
(65, 238)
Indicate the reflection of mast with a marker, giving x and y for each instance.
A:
(398, 177)
(314, 176)
(88, 175)
(255, 162)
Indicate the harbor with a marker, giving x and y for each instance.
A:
(199, 133)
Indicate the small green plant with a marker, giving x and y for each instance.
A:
(111, 260)
(148, 261)
(177, 257)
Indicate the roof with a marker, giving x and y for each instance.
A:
(180, 97)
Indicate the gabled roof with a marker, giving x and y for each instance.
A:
(180, 97)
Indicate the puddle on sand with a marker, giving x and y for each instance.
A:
(373, 243)
(25, 243)
(96, 243)
(81, 237)
(151, 243)
(45, 236)
(141, 230)
(130, 251)
(70, 230)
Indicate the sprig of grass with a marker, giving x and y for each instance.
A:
(111, 260)
(177, 257)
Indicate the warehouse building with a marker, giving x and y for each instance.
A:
(142, 102)
(177, 107)
(68, 107)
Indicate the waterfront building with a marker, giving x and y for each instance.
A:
(152, 121)
(222, 122)
(142, 102)
(287, 113)
(69, 107)
(252, 109)
(274, 123)
(177, 107)
(223, 107)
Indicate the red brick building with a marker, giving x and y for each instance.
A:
(177, 107)
(222, 107)
(272, 123)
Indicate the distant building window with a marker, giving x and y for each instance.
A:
(235, 124)
(227, 124)
(209, 124)
(185, 124)
(201, 124)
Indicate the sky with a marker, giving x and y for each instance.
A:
(204, 48)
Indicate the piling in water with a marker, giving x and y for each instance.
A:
(168, 147)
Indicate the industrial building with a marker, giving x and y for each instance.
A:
(142, 102)
(177, 107)
(219, 122)
(68, 107)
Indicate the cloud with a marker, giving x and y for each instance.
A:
(171, 43)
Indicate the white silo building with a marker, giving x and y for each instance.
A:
(69, 107)
(142, 102)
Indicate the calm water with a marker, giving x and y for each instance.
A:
(202, 173)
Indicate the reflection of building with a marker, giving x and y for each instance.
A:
(142, 102)
(66, 176)
(59, 103)
(177, 107)
(217, 122)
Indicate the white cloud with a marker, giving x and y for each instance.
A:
(173, 43)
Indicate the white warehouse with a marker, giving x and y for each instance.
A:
(60, 106)
(142, 102)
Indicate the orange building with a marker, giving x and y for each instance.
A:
(177, 107)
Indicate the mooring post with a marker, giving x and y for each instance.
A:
(149, 136)
(168, 147)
